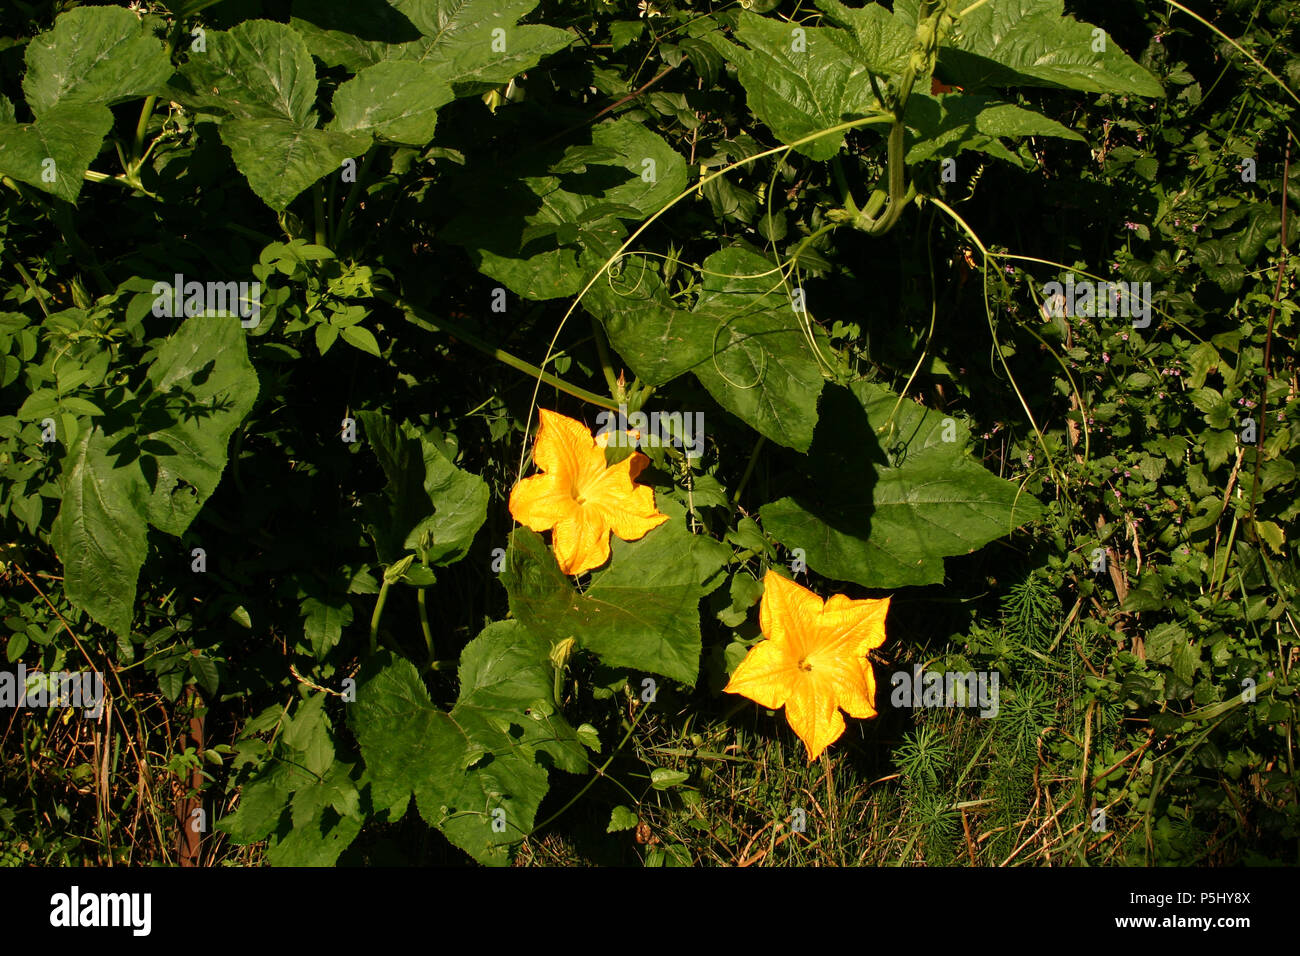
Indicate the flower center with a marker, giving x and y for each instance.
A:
(804, 665)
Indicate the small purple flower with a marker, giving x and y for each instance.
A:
(1105, 356)
(1124, 336)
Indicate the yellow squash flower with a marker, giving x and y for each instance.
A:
(580, 497)
(814, 661)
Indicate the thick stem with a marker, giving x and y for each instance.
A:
(749, 469)
(374, 618)
(354, 197)
(318, 209)
(616, 390)
(424, 625)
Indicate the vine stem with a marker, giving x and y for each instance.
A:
(1236, 46)
(425, 319)
(877, 118)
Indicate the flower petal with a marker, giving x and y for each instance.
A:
(542, 501)
(766, 675)
(813, 715)
(789, 613)
(565, 448)
(581, 541)
(629, 509)
(857, 625)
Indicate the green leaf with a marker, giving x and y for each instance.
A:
(623, 32)
(947, 125)
(98, 56)
(361, 338)
(641, 609)
(480, 757)
(257, 70)
(664, 779)
(880, 39)
(799, 84)
(589, 737)
(1030, 43)
(453, 37)
(202, 388)
(743, 340)
(262, 801)
(336, 789)
(426, 493)
(69, 135)
(396, 101)
(323, 623)
(883, 524)
(308, 735)
(1219, 447)
(528, 206)
(621, 818)
(318, 843)
(280, 159)
(1163, 641)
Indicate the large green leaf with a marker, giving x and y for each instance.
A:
(799, 83)
(541, 223)
(879, 38)
(258, 69)
(280, 159)
(456, 38)
(261, 76)
(484, 755)
(1030, 43)
(94, 56)
(888, 524)
(743, 340)
(946, 125)
(396, 101)
(154, 465)
(68, 135)
(426, 492)
(641, 609)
